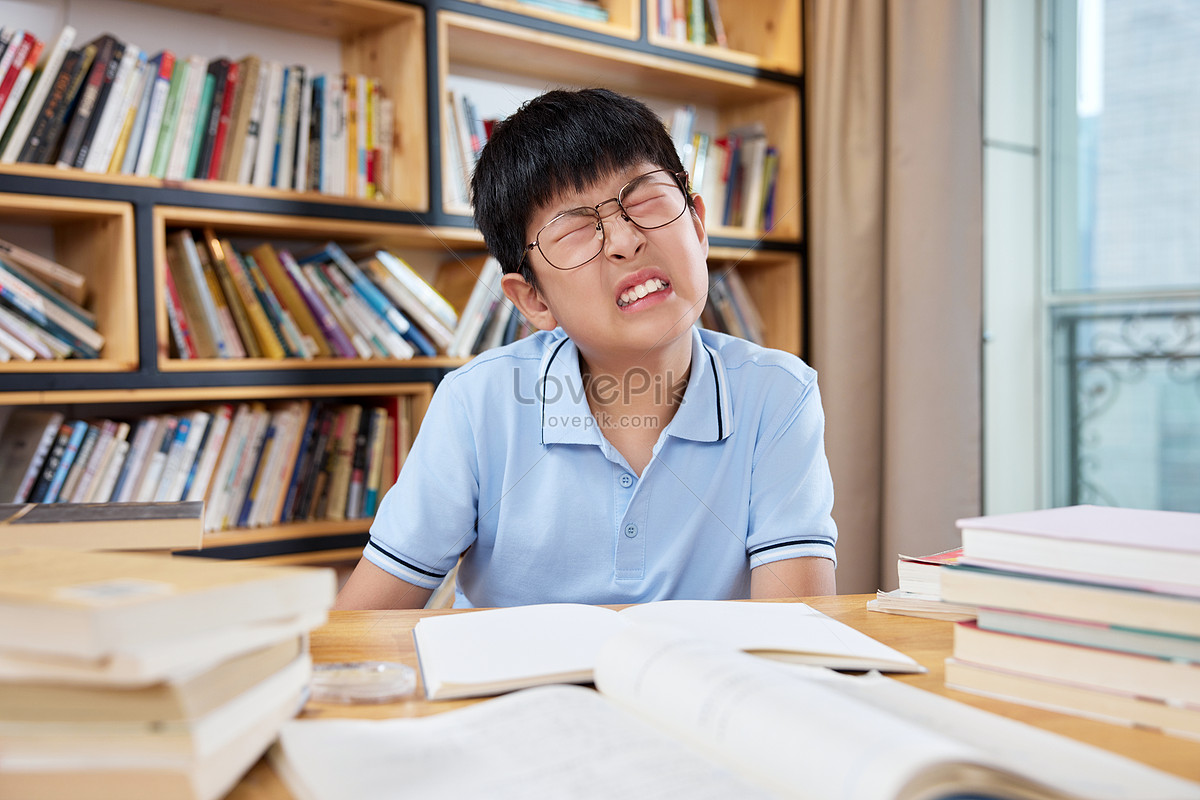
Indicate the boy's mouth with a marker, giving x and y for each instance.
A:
(635, 293)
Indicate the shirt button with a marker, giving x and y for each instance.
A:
(631, 530)
(627, 480)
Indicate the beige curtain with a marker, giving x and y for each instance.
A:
(895, 251)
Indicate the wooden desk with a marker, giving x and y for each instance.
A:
(386, 636)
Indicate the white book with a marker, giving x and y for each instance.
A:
(678, 717)
(498, 650)
(471, 321)
(181, 457)
(156, 460)
(99, 453)
(24, 124)
(185, 129)
(288, 116)
(264, 159)
(303, 119)
(148, 431)
(419, 287)
(160, 89)
(254, 129)
(239, 483)
(207, 462)
(218, 493)
(112, 468)
(337, 135)
(141, 97)
(16, 347)
(287, 421)
(112, 116)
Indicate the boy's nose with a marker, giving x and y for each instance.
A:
(622, 239)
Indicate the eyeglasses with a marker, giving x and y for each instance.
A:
(649, 201)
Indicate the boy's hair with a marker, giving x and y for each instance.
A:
(559, 141)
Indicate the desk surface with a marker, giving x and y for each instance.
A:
(386, 636)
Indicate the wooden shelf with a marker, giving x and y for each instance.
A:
(764, 34)
(736, 98)
(94, 238)
(624, 16)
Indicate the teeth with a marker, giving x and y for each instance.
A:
(641, 290)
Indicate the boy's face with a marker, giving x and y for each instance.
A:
(638, 297)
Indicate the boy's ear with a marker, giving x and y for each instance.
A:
(528, 301)
(698, 220)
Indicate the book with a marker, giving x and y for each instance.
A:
(42, 144)
(87, 605)
(268, 127)
(172, 108)
(198, 759)
(101, 526)
(108, 51)
(184, 131)
(199, 126)
(1074, 698)
(16, 68)
(498, 650)
(410, 303)
(111, 119)
(163, 71)
(289, 296)
(78, 430)
(1145, 676)
(142, 99)
(1079, 600)
(18, 132)
(28, 436)
(1105, 636)
(1154, 550)
(266, 340)
(920, 590)
(245, 95)
(178, 698)
(676, 717)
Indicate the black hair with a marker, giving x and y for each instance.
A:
(559, 141)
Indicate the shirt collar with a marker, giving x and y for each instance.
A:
(705, 413)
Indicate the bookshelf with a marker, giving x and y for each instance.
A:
(114, 228)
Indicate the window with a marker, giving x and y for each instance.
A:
(1117, 284)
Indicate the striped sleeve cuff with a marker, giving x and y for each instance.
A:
(402, 568)
(791, 548)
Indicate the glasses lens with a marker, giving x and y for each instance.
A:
(653, 200)
(572, 238)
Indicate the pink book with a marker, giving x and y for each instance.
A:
(1149, 550)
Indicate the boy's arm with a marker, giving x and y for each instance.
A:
(793, 577)
(370, 587)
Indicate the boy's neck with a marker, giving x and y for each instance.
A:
(652, 384)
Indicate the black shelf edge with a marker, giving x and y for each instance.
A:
(151, 379)
(281, 547)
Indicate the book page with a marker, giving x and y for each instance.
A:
(812, 733)
(552, 742)
(786, 631)
(1063, 763)
(506, 648)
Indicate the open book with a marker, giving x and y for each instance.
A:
(677, 717)
(499, 650)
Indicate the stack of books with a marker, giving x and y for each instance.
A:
(252, 463)
(108, 106)
(736, 173)
(920, 591)
(130, 675)
(229, 302)
(694, 21)
(42, 312)
(1088, 610)
(730, 309)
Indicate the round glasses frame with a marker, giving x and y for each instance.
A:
(681, 180)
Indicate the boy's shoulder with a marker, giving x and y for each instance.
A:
(746, 359)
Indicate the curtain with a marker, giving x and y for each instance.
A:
(894, 181)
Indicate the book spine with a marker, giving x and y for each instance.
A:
(19, 132)
(245, 169)
(143, 104)
(224, 120)
(199, 127)
(94, 157)
(45, 442)
(43, 142)
(82, 120)
(78, 432)
(172, 107)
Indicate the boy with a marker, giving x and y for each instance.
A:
(619, 455)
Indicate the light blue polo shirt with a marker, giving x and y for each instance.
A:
(510, 467)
